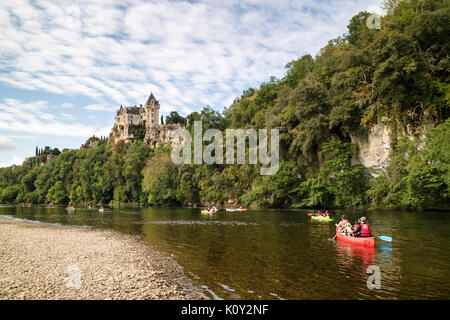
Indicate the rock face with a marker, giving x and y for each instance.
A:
(163, 134)
(154, 136)
(93, 144)
(373, 152)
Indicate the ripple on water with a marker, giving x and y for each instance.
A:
(203, 223)
(276, 296)
(212, 293)
(226, 287)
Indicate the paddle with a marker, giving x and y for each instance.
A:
(334, 235)
(310, 214)
(385, 238)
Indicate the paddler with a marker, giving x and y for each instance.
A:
(363, 229)
(343, 221)
(344, 225)
(357, 224)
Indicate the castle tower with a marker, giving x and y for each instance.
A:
(151, 111)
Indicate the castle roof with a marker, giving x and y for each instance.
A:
(151, 100)
(138, 110)
(130, 110)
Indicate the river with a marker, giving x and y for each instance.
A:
(282, 254)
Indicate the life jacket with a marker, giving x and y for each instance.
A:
(365, 230)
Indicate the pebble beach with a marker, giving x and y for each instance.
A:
(44, 261)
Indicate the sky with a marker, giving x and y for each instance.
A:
(66, 66)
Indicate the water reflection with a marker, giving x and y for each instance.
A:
(349, 256)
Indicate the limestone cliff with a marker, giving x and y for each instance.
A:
(374, 149)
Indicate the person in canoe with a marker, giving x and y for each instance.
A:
(319, 214)
(363, 230)
(356, 225)
(345, 226)
(343, 221)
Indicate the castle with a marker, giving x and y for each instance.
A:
(128, 118)
(145, 120)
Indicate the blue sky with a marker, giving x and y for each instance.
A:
(65, 66)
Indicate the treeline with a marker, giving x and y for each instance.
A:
(397, 75)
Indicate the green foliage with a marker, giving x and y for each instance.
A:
(160, 177)
(138, 131)
(174, 118)
(418, 175)
(339, 183)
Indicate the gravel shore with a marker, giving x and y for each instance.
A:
(42, 261)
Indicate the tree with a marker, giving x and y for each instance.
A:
(175, 118)
(134, 161)
(160, 180)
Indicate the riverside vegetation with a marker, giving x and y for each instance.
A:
(398, 74)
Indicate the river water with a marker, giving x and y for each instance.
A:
(282, 254)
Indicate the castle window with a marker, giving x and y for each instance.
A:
(153, 121)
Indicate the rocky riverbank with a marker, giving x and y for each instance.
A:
(42, 261)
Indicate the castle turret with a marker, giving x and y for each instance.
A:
(151, 111)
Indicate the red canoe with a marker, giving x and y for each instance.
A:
(361, 241)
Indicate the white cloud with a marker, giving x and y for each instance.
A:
(105, 131)
(14, 161)
(6, 144)
(375, 9)
(36, 118)
(98, 107)
(188, 54)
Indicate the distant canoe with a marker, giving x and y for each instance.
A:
(321, 218)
